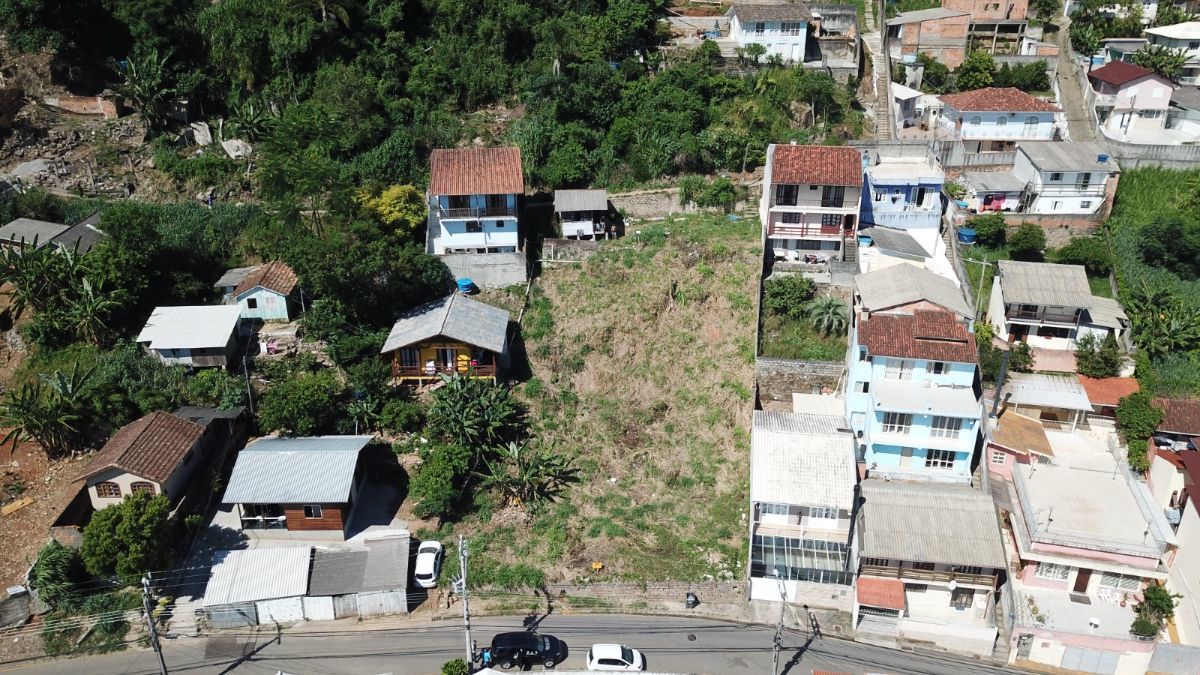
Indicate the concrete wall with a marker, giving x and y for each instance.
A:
(778, 379)
(494, 270)
(1185, 574)
(649, 203)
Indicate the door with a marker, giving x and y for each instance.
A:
(1081, 581)
(446, 358)
(1031, 126)
(319, 608)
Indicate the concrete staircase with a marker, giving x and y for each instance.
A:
(873, 44)
(850, 252)
(183, 617)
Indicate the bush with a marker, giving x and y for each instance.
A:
(128, 538)
(456, 667)
(989, 230)
(1144, 628)
(1020, 358)
(788, 295)
(1098, 358)
(1138, 455)
(53, 574)
(1137, 416)
(437, 484)
(401, 416)
(301, 405)
(1091, 252)
(215, 387)
(1027, 243)
(720, 193)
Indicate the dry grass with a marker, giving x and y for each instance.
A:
(641, 365)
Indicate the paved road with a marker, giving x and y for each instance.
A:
(671, 644)
(1072, 102)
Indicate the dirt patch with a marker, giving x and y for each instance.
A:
(50, 485)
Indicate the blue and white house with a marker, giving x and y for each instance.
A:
(472, 198)
(913, 401)
(994, 119)
(782, 29)
(903, 191)
(265, 292)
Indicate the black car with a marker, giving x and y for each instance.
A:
(524, 648)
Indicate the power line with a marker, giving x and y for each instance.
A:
(162, 664)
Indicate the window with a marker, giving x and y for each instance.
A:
(833, 196)
(1194, 45)
(939, 459)
(760, 27)
(812, 187)
(999, 456)
(967, 569)
(896, 423)
(823, 512)
(862, 387)
(946, 427)
(976, 120)
(473, 226)
(830, 220)
(1056, 205)
(877, 562)
(862, 354)
(1122, 582)
(312, 511)
(252, 303)
(141, 486)
(898, 369)
(962, 598)
(1002, 121)
(1051, 571)
(769, 509)
(499, 224)
(937, 367)
(108, 490)
(1085, 204)
(786, 195)
(926, 566)
(916, 588)
(793, 218)
(410, 357)
(793, 28)
(1054, 177)
(814, 560)
(1150, 114)
(920, 196)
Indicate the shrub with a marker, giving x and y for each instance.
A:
(788, 295)
(989, 229)
(1027, 243)
(302, 405)
(720, 193)
(53, 572)
(1020, 358)
(1091, 252)
(1138, 455)
(1098, 358)
(215, 387)
(1137, 416)
(400, 415)
(456, 667)
(1144, 628)
(127, 539)
(437, 484)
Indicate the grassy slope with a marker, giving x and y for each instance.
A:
(642, 368)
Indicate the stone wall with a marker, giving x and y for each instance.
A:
(649, 203)
(778, 379)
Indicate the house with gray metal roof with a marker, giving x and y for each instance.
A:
(930, 557)
(197, 336)
(358, 582)
(24, 232)
(307, 487)
(1067, 177)
(1050, 306)
(583, 214)
(454, 335)
(82, 236)
(903, 289)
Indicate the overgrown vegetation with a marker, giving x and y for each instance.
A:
(798, 326)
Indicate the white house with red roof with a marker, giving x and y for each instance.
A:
(1130, 100)
(810, 201)
(996, 118)
(472, 199)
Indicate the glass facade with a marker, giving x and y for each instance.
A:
(815, 560)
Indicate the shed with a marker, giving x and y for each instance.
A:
(385, 578)
(197, 336)
(258, 585)
(27, 231)
(349, 582)
(583, 214)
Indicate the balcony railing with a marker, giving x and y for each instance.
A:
(420, 372)
(1043, 316)
(1071, 190)
(806, 230)
(264, 522)
(910, 574)
(482, 212)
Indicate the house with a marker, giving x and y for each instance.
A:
(257, 586)
(359, 582)
(810, 201)
(1131, 101)
(1058, 400)
(1075, 178)
(994, 119)
(472, 197)
(303, 487)
(904, 191)
(940, 33)
(1184, 37)
(198, 336)
(913, 401)
(1050, 306)
(24, 232)
(1180, 426)
(1120, 49)
(82, 236)
(265, 292)
(583, 214)
(802, 501)
(992, 191)
(1086, 539)
(453, 335)
(905, 100)
(1185, 510)
(1016, 439)
(157, 454)
(930, 556)
(996, 27)
(904, 289)
(781, 29)
(1105, 394)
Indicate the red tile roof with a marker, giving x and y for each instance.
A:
(151, 447)
(1108, 391)
(994, 99)
(816, 165)
(926, 334)
(273, 276)
(1119, 72)
(476, 171)
(883, 593)
(1179, 416)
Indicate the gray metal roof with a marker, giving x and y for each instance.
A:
(311, 470)
(206, 415)
(258, 574)
(456, 317)
(1046, 390)
(771, 12)
(994, 181)
(1187, 97)
(235, 276)
(336, 572)
(929, 522)
(580, 200)
(1107, 312)
(190, 327)
(1069, 156)
(81, 236)
(925, 15)
(387, 564)
(802, 459)
(895, 241)
(903, 284)
(1047, 284)
(27, 229)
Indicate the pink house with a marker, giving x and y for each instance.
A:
(1131, 101)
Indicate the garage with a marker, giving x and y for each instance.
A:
(272, 581)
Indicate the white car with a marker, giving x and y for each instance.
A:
(615, 657)
(429, 564)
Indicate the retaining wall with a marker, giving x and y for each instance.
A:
(778, 379)
(494, 270)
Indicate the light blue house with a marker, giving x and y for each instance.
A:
(913, 399)
(903, 191)
(473, 195)
(265, 292)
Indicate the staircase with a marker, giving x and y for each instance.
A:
(873, 44)
(850, 250)
(183, 617)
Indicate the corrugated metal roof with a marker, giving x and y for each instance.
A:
(929, 522)
(336, 572)
(801, 459)
(387, 563)
(190, 327)
(1046, 390)
(1107, 312)
(206, 415)
(905, 284)
(456, 317)
(258, 574)
(896, 241)
(312, 470)
(580, 200)
(771, 12)
(1049, 284)
(81, 236)
(235, 276)
(25, 230)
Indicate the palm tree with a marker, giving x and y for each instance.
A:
(828, 315)
(526, 475)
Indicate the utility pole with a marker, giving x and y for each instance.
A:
(979, 293)
(461, 587)
(162, 664)
(777, 645)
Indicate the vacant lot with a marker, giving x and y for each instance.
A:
(640, 366)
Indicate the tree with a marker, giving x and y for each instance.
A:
(1163, 324)
(1027, 243)
(145, 85)
(935, 75)
(1161, 59)
(788, 295)
(1172, 243)
(1020, 358)
(438, 482)
(754, 51)
(215, 387)
(1091, 252)
(1098, 358)
(1085, 39)
(474, 413)
(127, 539)
(976, 71)
(301, 405)
(36, 412)
(1170, 15)
(828, 315)
(1046, 9)
(89, 312)
(400, 206)
(990, 230)
(526, 475)
(1137, 415)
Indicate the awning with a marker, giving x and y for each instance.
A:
(882, 593)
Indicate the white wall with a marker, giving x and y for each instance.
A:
(789, 47)
(1185, 577)
(1000, 125)
(1164, 479)
(125, 480)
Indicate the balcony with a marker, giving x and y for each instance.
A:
(935, 576)
(264, 522)
(482, 212)
(1043, 316)
(1071, 190)
(800, 230)
(430, 372)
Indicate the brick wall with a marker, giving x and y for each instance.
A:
(778, 379)
(1015, 10)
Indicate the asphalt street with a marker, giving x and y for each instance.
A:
(671, 645)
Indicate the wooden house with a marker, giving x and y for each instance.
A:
(267, 292)
(453, 335)
(199, 336)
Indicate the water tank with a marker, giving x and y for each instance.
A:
(1102, 158)
(966, 235)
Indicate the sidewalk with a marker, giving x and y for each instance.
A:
(1078, 116)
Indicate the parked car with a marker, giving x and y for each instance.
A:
(615, 657)
(429, 564)
(525, 648)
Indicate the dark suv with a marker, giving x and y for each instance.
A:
(523, 648)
